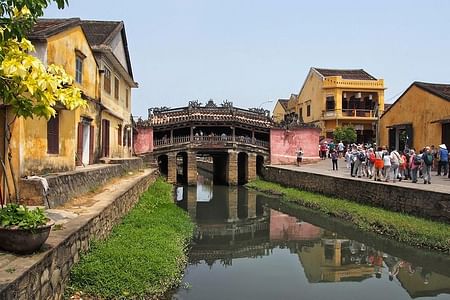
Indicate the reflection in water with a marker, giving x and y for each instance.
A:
(251, 251)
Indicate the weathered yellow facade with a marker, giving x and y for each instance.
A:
(107, 39)
(279, 110)
(418, 118)
(61, 49)
(340, 100)
(75, 137)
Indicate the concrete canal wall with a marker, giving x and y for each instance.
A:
(45, 274)
(414, 201)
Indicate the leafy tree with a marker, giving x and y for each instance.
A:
(28, 88)
(346, 134)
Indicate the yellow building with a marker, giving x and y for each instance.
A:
(109, 44)
(419, 117)
(331, 97)
(280, 109)
(88, 51)
(58, 144)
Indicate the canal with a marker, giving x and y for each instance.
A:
(250, 246)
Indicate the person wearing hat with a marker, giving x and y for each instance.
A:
(443, 160)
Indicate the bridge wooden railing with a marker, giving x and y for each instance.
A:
(214, 139)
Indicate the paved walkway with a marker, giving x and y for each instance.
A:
(438, 183)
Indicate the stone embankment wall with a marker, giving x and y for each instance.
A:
(47, 277)
(65, 186)
(428, 204)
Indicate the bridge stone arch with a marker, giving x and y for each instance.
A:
(163, 164)
(182, 167)
(260, 162)
(242, 167)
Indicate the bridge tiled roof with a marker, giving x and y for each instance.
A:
(206, 114)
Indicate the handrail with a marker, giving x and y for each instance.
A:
(358, 113)
(211, 139)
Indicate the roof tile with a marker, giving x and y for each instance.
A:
(353, 74)
(438, 89)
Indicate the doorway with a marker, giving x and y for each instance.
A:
(105, 138)
(85, 142)
(446, 134)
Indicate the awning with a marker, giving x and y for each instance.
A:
(399, 126)
(442, 121)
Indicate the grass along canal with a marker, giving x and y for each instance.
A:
(144, 255)
(407, 229)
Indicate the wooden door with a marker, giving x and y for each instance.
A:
(79, 156)
(105, 138)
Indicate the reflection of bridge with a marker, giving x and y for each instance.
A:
(238, 141)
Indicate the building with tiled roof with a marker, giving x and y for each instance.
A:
(86, 49)
(68, 139)
(351, 74)
(279, 110)
(331, 98)
(419, 117)
(109, 43)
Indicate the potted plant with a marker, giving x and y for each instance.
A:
(23, 230)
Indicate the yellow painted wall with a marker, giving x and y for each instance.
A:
(116, 150)
(32, 136)
(122, 114)
(420, 108)
(61, 50)
(311, 94)
(34, 147)
(278, 112)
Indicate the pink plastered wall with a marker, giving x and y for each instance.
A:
(285, 227)
(284, 145)
(143, 142)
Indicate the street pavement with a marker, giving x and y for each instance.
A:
(438, 183)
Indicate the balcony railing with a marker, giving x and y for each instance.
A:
(363, 113)
(366, 113)
(215, 139)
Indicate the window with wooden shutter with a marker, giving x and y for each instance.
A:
(78, 69)
(53, 135)
(119, 135)
(107, 81)
(105, 138)
(116, 88)
(127, 98)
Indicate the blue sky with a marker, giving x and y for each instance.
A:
(251, 52)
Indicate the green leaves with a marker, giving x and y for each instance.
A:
(22, 217)
(26, 84)
(29, 87)
(347, 134)
(18, 16)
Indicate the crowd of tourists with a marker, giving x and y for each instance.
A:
(380, 164)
